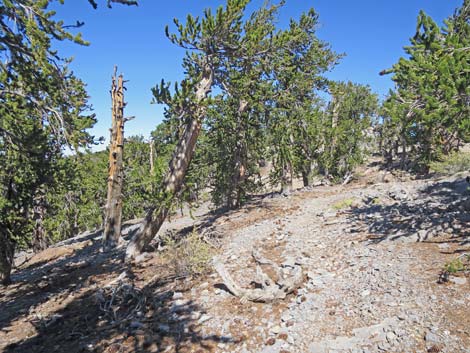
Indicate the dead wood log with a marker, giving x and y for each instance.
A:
(289, 279)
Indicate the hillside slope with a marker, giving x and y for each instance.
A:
(372, 254)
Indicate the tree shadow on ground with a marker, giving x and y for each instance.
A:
(63, 302)
(438, 209)
(130, 315)
(35, 285)
(123, 318)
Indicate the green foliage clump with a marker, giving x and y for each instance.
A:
(454, 266)
(77, 203)
(426, 116)
(347, 123)
(44, 111)
(343, 204)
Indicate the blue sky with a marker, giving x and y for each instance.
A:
(371, 33)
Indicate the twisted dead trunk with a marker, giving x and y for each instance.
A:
(113, 218)
(289, 278)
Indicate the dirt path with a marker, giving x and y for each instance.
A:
(369, 286)
(364, 292)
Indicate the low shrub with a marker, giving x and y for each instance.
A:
(451, 164)
(189, 256)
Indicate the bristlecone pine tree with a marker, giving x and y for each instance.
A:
(210, 41)
(346, 125)
(235, 123)
(431, 104)
(297, 73)
(42, 112)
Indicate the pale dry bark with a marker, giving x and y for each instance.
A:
(288, 279)
(308, 174)
(176, 171)
(113, 218)
(287, 183)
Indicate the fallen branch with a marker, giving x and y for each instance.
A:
(121, 302)
(289, 279)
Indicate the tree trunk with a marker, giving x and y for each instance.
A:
(7, 250)
(177, 169)
(112, 228)
(286, 179)
(39, 239)
(307, 174)
(234, 197)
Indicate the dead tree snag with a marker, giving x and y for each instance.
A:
(112, 228)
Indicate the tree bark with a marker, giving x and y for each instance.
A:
(234, 197)
(286, 179)
(269, 290)
(403, 157)
(7, 250)
(39, 239)
(307, 175)
(177, 169)
(112, 228)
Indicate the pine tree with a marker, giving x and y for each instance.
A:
(236, 119)
(211, 40)
(431, 100)
(43, 109)
(297, 74)
(347, 122)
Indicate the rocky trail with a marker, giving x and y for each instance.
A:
(372, 255)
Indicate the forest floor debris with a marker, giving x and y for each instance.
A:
(372, 271)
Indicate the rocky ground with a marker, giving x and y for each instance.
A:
(372, 252)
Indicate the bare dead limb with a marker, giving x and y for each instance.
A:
(289, 279)
(347, 178)
(121, 302)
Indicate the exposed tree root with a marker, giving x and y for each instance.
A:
(289, 279)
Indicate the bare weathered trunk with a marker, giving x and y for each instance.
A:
(234, 198)
(268, 289)
(7, 250)
(177, 169)
(112, 222)
(39, 238)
